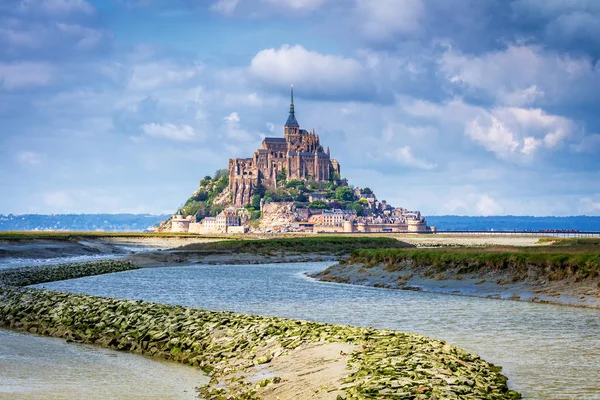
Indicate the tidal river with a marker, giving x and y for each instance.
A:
(548, 352)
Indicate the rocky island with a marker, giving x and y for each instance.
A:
(290, 184)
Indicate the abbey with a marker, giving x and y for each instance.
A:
(298, 154)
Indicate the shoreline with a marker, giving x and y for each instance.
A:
(489, 285)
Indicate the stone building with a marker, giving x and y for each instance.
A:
(179, 223)
(226, 222)
(298, 153)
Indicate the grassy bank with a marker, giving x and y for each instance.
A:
(314, 244)
(555, 264)
(230, 347)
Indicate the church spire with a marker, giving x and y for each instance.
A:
(291, 121)
(292, 102)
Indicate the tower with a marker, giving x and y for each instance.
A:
(291, 128)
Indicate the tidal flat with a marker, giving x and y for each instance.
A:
(189, 285)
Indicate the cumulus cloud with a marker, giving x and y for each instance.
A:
(24, 74)
(509, 132)
(180, 133)
(405, 156)
(321, 73)
(521, 74)
(383, 18)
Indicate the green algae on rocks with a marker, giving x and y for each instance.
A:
(384, 365)
(49, 273)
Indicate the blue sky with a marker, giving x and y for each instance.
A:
(450, 107)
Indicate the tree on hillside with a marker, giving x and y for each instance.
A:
(256, 202)
(363, 202)
(367, 191)
(344, 193)
(221, 173)
(281, 177)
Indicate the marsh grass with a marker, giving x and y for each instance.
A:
(313, 244)
(555, 263)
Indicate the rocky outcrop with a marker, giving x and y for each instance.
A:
(278, 216)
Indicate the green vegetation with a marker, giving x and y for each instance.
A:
(332, 244)
(591, 243)
(385, 365)
(344, 193)
(201, 204)
(49, 273)
(319, 205)
(519, 262)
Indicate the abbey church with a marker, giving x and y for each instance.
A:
(298, 153)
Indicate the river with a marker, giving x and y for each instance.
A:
(548, 352)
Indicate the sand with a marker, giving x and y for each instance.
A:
(314, 371)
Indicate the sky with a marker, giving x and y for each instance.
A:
(468, 107)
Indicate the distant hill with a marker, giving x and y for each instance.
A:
(80, 222)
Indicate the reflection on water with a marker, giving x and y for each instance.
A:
(34, 367)
(546, 351)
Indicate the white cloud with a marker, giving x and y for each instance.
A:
(493, 135)
(404, 156)
(486, 206)
(508, 132)
(86, 37)
(24, 74)
(233, 117)
(181, 133)
(590, 205)
(383, 18)
(234, 131)
(297, 4)
(29, 157)
(295, 64)
(20, 38)
(152, 75)
(521, 74)
(226, 7)
(56, 6)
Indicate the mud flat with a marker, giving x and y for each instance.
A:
(249, 356)
(545, 275)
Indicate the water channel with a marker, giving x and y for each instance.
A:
(548, 352)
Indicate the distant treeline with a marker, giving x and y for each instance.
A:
(80, 222)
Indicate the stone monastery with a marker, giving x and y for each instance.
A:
(298, 154)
